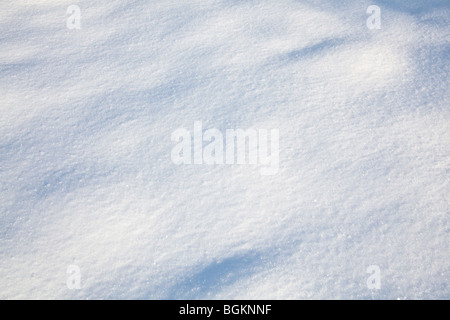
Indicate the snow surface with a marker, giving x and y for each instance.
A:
(86, 176)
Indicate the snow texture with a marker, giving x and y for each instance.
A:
(87, 180)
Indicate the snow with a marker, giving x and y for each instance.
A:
(87, 180)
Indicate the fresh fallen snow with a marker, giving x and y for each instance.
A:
(87, 180)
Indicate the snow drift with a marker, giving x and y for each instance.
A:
(87, 180)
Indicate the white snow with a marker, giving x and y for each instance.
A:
(87, 180)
